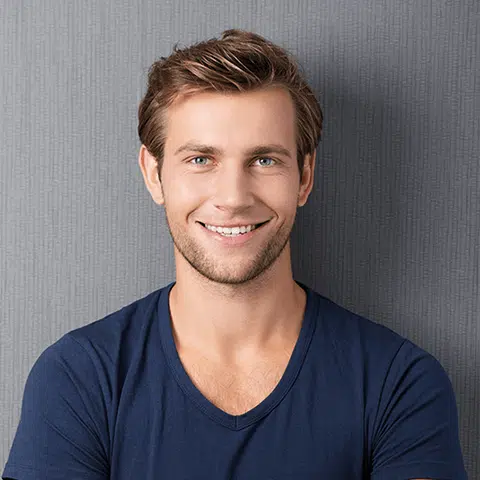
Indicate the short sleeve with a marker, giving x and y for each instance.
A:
(416, 431)
(62, 430)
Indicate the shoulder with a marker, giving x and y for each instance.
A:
(118, 325)
(354, 334)
(409, 407)
(117, 334)
(102, 350)
(381, 356)
(72, 393)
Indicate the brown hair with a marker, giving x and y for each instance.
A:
(237, 62)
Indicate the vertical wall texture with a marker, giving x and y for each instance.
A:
(391, 231)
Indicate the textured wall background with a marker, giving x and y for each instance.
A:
(391, 232)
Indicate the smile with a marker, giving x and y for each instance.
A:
(232, 231)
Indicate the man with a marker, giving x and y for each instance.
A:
(235, 370)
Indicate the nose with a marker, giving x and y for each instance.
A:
(233, 187)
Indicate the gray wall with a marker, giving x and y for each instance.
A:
(392, 229)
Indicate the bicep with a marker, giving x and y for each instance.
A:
(59, 434)
(416, 435)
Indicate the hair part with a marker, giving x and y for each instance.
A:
(239, 61)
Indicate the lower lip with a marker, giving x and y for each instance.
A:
(231, 241)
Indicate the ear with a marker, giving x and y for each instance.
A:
(149, 167)
(306, 182)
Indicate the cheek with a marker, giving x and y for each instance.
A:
(184, 192)
(281, 196)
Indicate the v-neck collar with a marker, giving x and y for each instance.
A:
(236, 422)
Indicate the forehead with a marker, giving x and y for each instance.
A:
(232, 120)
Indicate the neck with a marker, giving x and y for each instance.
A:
(234, 322)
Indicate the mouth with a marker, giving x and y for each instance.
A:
(233, 231)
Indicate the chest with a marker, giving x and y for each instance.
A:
(235, 390)
(313, 427)
(306, 435)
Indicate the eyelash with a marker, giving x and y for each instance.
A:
(191, 161)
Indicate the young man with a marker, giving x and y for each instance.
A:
(235, 370)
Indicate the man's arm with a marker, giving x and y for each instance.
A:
(61, 433)
(416, 427)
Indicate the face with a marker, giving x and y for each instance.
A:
(230, 182)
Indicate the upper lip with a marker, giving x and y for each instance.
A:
(232, 224)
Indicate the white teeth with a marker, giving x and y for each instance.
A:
(231, 231)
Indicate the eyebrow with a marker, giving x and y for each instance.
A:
(254, 151)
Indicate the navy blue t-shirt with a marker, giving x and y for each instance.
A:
(111, 400)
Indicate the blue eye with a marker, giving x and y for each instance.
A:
(199, 163)
(270, 161)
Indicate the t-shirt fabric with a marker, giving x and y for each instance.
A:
(111, 400)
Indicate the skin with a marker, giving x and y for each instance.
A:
(235, 304)
(234, 307)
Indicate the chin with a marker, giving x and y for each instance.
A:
(230, 269)
(227, 276)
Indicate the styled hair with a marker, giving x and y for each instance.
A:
(239, 61)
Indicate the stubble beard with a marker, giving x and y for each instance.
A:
(224, 272)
